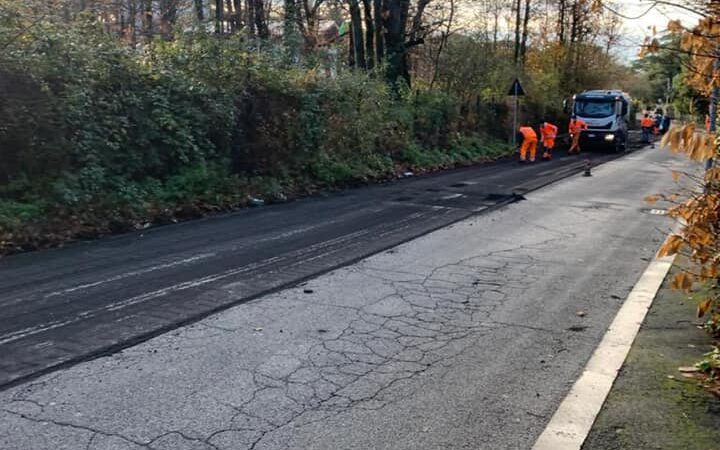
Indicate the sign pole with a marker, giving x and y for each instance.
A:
(515, 117)
(516, 91)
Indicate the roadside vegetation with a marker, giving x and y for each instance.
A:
(119, 115)
(697, 208)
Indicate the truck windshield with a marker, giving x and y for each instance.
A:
(594, 108)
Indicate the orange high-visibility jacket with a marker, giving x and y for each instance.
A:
(548, 132)
(577, 125)
(647, 122)
(528, 134)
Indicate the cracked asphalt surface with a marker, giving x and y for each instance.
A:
(67, 305)
(468, 337)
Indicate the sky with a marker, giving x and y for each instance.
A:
(636, 29)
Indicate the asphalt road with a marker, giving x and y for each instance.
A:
(62, 306)
(465, 338)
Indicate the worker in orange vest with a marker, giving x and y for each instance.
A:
(647, 124)
(529, 143)
(548, 132)
(576, 128)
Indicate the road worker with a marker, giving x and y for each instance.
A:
(658, 121)
(529, 143)
(548, 132)
(577, 126)
(647, 124)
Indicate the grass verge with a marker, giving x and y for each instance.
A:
(124, 206)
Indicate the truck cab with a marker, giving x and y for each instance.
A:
(606, 114)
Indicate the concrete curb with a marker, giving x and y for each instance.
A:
(572, 422)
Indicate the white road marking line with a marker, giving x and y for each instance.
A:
(133, 273)
(114, 306)
(572, 422)
(452, 197)
(193, 259)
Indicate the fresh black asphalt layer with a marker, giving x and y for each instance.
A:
(63, 306)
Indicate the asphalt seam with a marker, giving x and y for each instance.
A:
(570, 170)
(572, 422)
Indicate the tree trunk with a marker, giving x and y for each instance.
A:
(369, 34)
(518, 19)
(496, 28)
(395, 16)
(443, 42)
(261, 24)
(228, 15)
(561, 21)
(379, 34)
(291, 37)
(523, 44)
(237, 14)
(200, 10)
(147, 19)
(132, 21)
(168, 17)
(351, 50)
(219, 17)
(574, 23)
(250, 17)
(358, 43)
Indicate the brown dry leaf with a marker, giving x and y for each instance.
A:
(675, 26)
(688, 133)
(709, 272)
(714, 389)
(686, 41)
(683, 282)
(706, 147)
(704, 307)
(666, 138)
(653, 46)
(676, 175)
(692, 148)
(652, 199)
(712, 174)
(672, 246)
(675, 140)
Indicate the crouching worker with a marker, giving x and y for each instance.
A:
(548, 132)
(529, 144)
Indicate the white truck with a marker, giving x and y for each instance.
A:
(607, 114)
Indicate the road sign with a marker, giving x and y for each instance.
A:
(516, 90)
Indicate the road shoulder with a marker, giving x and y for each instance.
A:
(650, 405)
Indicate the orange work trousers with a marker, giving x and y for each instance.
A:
(549, 145)
(528, 145)
(575, 147)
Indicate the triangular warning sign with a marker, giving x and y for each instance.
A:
(516, 90)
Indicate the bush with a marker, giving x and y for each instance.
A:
(13, 214)
(102, 137)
